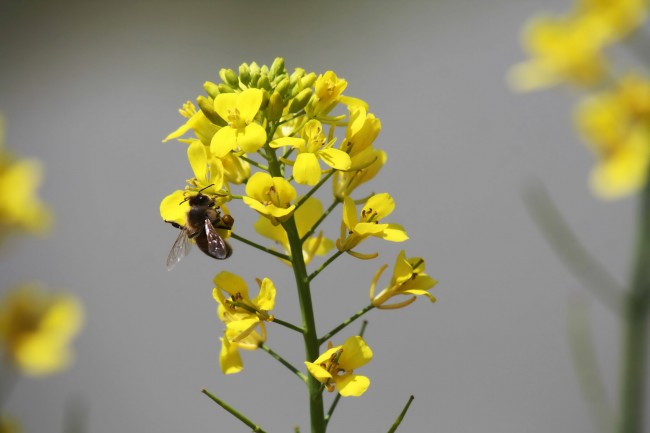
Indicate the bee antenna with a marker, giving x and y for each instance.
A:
(202, 189)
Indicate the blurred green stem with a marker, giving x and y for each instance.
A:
(635, 328)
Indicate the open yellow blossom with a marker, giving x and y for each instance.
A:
(328, 89)
(335, 368)
(354, 229)
(36, 329)
(408, 279)
(203, 128)
(306, 216)
(616, 127)
(240, 313)
(311, 147)
(270, 196)
(563, 49)
(239, 110)
(20, 207)
(362, 130)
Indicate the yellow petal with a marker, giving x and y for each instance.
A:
(349, 213)
(318, 372)
(306, 170)
(394, 233)
(287, 141)
(223, 141)
(383, 204)
(252, 138)
(351, 385)
(248, 103)
(265, 300)
(356, 353)
(224, 104)
(197, 155)
(174, 208)
(335, 158)
(231, 284)
(229, 358)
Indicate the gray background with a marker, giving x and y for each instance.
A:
(91, 88)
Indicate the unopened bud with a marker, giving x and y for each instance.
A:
(255, 74)
(300, 101)
(308, 80)
(224, 88)
(283, 86)
(277, 68)
(211, 89)
(207, 107)
(229, 76)
(244, 74)
(275, 107)
(264, 83)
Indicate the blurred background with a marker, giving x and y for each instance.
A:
(91, 89)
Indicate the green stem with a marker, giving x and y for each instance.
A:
(324, 265)
(260, 247)
(255, 163)
(284, 362)
(399, 419)
(254, 427)
(351, 319)
(288, 325)
(635, 339)
(310, 337)
(320, 220)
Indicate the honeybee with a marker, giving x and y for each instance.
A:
(201, 220)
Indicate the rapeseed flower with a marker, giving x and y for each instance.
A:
(408, 279)
(270, 196)
(335, 368)
(36, 329)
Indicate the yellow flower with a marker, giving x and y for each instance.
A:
(328, 89)
(368, 163)
(563, 49)
(20, 207)
(240, 313)
(197, 122)
(362, 130)
(306, 216)
(312, 147)
(270, 196)
(242, 317)
(616, 126)
(408, 279)
(36, 329)
(354, 230)
(335, 367)
(239, 110)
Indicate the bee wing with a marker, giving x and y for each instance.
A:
(179, 250)
(217, 247)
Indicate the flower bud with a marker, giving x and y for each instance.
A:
(296, 76)
(263, 82)
(244, 74)
(308, 80)
(211, 89)
(275, 107)
(283, 86)
(207, 107)
(224, 88)
(277, 68)
(255, 74)
(230, 77)
(300, 101)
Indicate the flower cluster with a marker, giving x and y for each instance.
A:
(273, 141)
(614, 122)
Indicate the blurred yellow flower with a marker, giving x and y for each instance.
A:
(20, 208)
(9, 425)
(36, 329)
(616, 127)
(408, 279)
(335, 367)
(562, 49)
